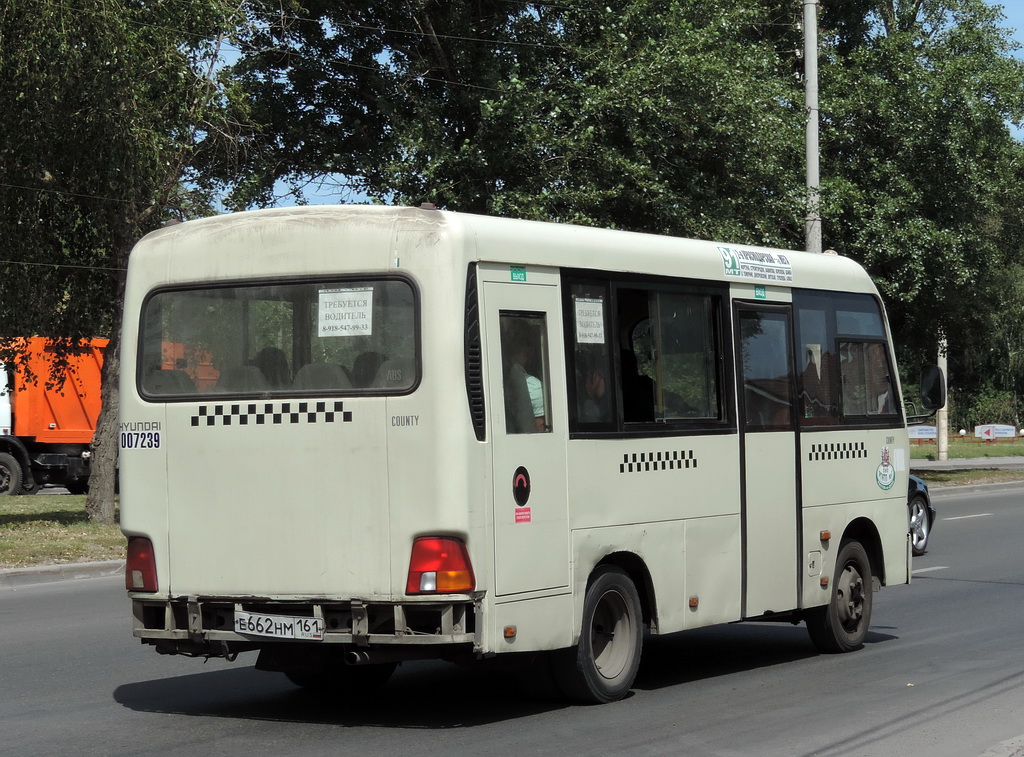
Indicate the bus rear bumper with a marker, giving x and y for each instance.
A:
(223, 627)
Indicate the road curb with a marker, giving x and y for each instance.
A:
(40, 574)
(938, 491)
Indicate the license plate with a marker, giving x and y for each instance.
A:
(279, 626)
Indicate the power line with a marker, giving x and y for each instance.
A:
(79, 195)
(64, 265)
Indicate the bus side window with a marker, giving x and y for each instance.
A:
(525, 381)
(867, 381)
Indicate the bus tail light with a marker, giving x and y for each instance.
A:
(439, 565)
(140, 567)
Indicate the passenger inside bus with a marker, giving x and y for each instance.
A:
(637, 391)
(274, 365)
(593, 400)
(525, 406)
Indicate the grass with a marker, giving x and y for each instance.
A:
(53, 529)
(970, 477)
(962, 448)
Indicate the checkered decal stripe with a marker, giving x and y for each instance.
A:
(271, 413)
(837, 451)
(648, 462)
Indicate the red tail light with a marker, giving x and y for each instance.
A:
(439, 565)
(140, 569)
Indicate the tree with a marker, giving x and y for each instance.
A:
(106, 107)
(683, 118)
(922, 174)
(680, 118)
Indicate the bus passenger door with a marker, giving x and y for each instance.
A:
(526, 420)
(770, 510)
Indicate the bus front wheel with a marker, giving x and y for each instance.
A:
(842, 624)
(601, 668)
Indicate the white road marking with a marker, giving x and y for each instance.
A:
(929, 570)
(965, 517)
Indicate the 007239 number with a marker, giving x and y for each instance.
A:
(140, 440)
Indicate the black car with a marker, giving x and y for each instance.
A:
(922, 515)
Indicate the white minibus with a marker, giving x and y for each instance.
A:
(356, 436)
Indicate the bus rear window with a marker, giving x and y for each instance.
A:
(324, 337)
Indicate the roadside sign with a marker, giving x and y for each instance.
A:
(922, 432)
(995, 431)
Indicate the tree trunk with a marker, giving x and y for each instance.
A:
(99, 505)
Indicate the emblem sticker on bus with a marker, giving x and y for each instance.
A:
(756, 264)
(521, 494)
(885, 475)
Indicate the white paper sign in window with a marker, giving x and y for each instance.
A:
(589, 320)
(345, 312)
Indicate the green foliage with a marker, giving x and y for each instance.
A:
(682, 117)
(678, 118)
(923, 179)
(986, 407)
(106, 104)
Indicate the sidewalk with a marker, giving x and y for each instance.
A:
(973, 463)
(39, 574)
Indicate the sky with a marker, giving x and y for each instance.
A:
(1014, 12)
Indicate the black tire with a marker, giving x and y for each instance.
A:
(842, 624)
(343, 680)
(920, 525)
(601, 668)
(10, 475)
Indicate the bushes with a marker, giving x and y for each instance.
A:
(990, 406)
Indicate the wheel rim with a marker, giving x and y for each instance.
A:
(850, 597)
(918, 524)
(611, 637)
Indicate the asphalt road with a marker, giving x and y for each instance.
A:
(942, 674)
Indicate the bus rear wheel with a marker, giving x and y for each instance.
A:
(842, 624)
(601, 668)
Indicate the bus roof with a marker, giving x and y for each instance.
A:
(306, 241)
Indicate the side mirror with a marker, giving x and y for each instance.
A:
(933, 388)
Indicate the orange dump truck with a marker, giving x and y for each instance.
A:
(46, 431)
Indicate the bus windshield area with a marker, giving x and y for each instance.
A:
(340, 337)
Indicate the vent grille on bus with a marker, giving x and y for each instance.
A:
(474, 358)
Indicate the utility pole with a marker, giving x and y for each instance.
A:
(942, 416)
(812, 225)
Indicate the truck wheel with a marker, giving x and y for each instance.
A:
(842, 624)
(10, 475)
(601, 668)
